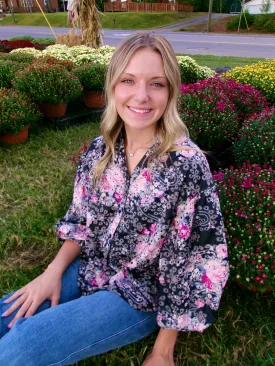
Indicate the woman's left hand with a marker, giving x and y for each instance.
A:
(156, 359)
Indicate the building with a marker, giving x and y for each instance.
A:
(255, 6)
(28, 6)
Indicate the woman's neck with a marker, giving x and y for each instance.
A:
(138, 138)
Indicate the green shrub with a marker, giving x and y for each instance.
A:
(190, 71)
(91, 76)
(8, 70)
(44, 40)
(19, 57)
(265, 22)
(50, 60)
(21, 38)
(16, 111)
(48, 83)
(256, 142)
(234, 22)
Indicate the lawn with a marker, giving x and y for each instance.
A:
(36, 182)
(221, 61)
(122, 20)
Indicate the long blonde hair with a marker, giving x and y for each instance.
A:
(170, 126)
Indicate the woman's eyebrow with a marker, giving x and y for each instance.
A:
(154, 77)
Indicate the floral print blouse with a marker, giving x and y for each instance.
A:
(156, 238)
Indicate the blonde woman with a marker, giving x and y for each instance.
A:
(144, 248)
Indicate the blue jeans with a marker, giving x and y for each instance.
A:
(79, 327)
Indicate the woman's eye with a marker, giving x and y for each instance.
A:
(127, 81)
(158, 85)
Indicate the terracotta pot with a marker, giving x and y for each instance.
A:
(11, 139)
(93, 99)
(254, 289)
(53, 110)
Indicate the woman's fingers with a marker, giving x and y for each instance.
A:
(21, 312)
(16, 305)
(32, 309)
(15, 295)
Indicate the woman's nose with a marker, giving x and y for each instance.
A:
(141, 93)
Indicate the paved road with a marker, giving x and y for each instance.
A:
(182, 42)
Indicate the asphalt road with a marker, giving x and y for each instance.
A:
(182, 42)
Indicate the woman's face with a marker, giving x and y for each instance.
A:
(142, 91)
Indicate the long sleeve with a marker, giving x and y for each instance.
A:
(73, 225)
(193, 263)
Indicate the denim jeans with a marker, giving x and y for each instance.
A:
(77, 328)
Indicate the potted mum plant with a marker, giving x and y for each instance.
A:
(247, 196)
(17, 113)
(208, 113)
(92, 78)
(8, 70)
(256, 141)
(50, 86)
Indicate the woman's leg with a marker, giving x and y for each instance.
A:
(75, 330)
(69, 292)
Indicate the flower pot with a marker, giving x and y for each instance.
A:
(11, 139)
(93, 98)
(53, 110)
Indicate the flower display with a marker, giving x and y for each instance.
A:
(256, 142)
(191, 72)
(58, 51)
(91, 76)
(18, 57)
(48, 83)
(50, 60)
(247, 99)
(16, 111)
(30, 51)
(247, 197)
(261, 75)
(208, 113)
(8, 70)
(80, 54)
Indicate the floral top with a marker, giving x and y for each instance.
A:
(156, 238)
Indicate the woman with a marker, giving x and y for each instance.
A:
(145, 221)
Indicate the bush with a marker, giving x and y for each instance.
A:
(191, 72)
(18, 57)
(256, 142)
(247, 197)
(91, 76)
(21, 38)
(8, 70)
(234, 22)
(208, 113)
(50, 60)
(265, 23)
(28, 50)
(50, 84)
(247, 100)
(16, 111)
(261, 75)
(47, 41)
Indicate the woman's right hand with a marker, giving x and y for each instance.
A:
(47, 286)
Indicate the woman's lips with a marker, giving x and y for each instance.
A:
(134, 111)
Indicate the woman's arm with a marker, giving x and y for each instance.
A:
(163, 350)
(47, 286)
(67, 253)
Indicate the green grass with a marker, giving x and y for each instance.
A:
(122, 20)
(36, 182)
(221, 61)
